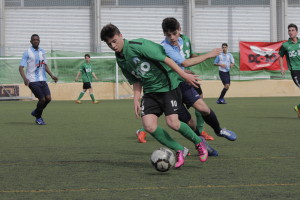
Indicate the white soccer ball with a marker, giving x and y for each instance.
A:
(163, 159)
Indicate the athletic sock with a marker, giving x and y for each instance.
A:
(165, 139)
(92, 97)
(213, 122)
(46, 103)
(223, 93)
(80, 95)
(200, 121)
(188, 133)
(39, 109)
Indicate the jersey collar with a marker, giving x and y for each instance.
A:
(124, 50)
(291, 42)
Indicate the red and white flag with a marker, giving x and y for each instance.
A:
(260, 56)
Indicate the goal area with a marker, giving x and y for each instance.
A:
(64, 65)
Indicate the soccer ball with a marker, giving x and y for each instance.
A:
(163, 159)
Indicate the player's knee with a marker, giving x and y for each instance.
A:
(42, 100)
(150, 128)
(226, 86)
(48, 100)
(174, 124)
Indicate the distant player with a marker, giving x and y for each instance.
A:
(86, 72)
(225, 61)
(34, 59)
(145, 65)
(291, 49)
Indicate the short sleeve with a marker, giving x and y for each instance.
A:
(173, 54)
(282, 51)
(152, 51)
(217, 60)
(24, 59)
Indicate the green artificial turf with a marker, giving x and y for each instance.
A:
(90, 151)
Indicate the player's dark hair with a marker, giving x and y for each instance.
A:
(109, 31)
(225, 44)
(34, 35)
(170, 24)
(87, 55)
(293, 26)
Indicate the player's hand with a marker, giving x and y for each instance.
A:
(26, 82)
(54, 78)
(192, 79)
(188, 71)
(137, 108)
(215, 52)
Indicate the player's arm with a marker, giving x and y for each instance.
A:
(281, 54)
(231, 61)
(94, 75)
(281, 66)
(77, 76)
(50, 73)
(189, 78)
(21, 68)
(217, 62)
(137, 91)
(22, 73)
(194, 60)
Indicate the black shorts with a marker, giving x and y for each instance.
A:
(87, 85)
(158, 103)
(40, 89)
(183, 114)
(189, 94)
(225, 77)
(199, 90)
(296, 77)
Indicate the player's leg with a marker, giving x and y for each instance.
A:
(225, 78)
(199, 118)
(172, 103)
(211, 119)
(37, 90)
(92, 95)
(296, 78)
(150, 113)
(81, 94)
(186, 117)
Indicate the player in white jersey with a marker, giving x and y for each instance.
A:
(34, 59)
(225, 61)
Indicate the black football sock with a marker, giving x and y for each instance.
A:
(223, 93)
(39, 109)
(212, 121)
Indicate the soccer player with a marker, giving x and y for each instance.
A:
(225, 61)
(176, 45)
(291, 49)
(34, 59)
(146, 66)
(87, 72)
